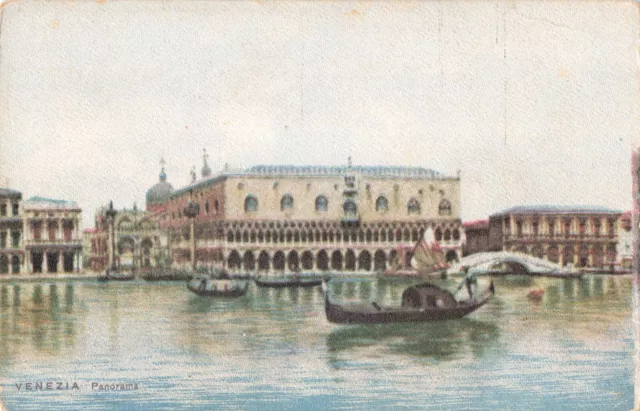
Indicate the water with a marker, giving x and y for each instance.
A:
(274, 349)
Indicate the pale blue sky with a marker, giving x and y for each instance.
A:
(535, 102)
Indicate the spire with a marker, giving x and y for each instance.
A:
(206, 170)
(193, 174)
(163, 174)
(349, 162)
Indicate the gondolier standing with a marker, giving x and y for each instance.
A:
(471, 281)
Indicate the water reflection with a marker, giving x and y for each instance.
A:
(35, 325)
(440, 341)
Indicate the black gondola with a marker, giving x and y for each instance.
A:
(288, 282)
(420, 303)
(116, 276)
(206, 287)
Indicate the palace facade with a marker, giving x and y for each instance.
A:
(285, 218)
(52, 239)
(581, 236)
(39, 235)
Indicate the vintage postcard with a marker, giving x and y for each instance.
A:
(314, 205)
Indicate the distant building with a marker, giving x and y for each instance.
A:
(52, 240)
(11, 229)
(284, 218)
(625, 241)
(581, 236)
(139, 243)
(477, 237)
(96, 243)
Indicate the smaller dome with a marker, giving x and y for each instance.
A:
(206, 170)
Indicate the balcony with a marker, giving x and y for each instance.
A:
(57, 241)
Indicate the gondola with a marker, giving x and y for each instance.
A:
(420, 303)
(288, 282)
(206, 287)
(116, 276)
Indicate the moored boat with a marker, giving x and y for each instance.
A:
(420, 303)
(207, 287)
(117, 276)
(295, 281)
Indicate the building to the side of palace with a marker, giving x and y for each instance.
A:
(477, 237)
(11, 228)
(39, 235)
(286, 218)
(580, 236)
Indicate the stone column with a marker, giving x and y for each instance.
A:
(60, 256)
(45, 264)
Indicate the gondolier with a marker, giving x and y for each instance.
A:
(471, 281)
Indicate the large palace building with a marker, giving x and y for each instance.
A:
(580, 236)
(285, 218)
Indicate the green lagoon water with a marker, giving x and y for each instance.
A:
(274, 349)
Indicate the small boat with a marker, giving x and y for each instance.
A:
(294, 281)
(420, 303)
(536, 294)
(117, 276)
(207, 287)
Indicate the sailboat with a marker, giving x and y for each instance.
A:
(426, 258)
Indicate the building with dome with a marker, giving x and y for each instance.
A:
(139, 242)
(273, 218)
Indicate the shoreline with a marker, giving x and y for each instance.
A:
(94, 276)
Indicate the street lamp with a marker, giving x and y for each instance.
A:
(191, 211)
(111, 217)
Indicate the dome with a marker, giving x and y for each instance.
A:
(159, 193)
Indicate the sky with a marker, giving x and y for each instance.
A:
(534, 102)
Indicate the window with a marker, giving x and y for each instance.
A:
(206, 207)
(286, 203)
(413, 206)
(350, 208)
(15, 239)
(15, 263)
(444, 208)
(52, 232)
(322, 204)
(3, 210)
(37, 231)
(15, 208)
(3, 239)
(382, 204)
(250, 204)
